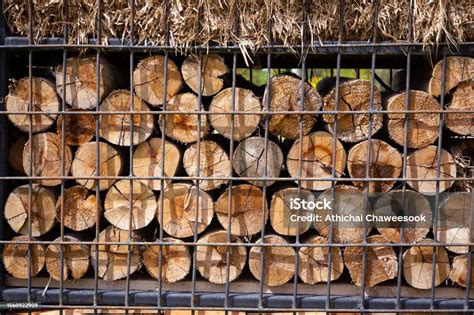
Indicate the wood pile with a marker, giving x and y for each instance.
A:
(137, 155)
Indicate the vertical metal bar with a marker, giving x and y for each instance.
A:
(469, 255)
(30, 140)
(4, 129)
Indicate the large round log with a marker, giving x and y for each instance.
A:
(459, 271)
(211, 69)
(15, 258)
(80, 208)
(462, 100)
(75, 259)
(458, 69)
(78, 128)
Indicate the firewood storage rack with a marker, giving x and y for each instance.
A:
(247, 293)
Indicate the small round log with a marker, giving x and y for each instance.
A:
(462, 100)
(278, 264)
(381, 262)
(79, 128)
(75, 263)
(149, 76)
(246, 210)
(213, 162)
(147, 161)
(285, 95)
(15, 258)
(418, 265)
(46, 158)
(15, 154)
(422, 128)
(385, 162)
(250, 157)
(211, 69)
(117, 128)
(316, 160)
(44, 99)
(84, 164)
(458, 69)
(313, 265)
(422, 164)
(459, 271)
(43, 210)
(244, 125)
(80, 208)
(211, 260)
(180, 203)
(175, 264)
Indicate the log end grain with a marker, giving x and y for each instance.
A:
(458, 69)
(75, 263)
(459, 271)
(211, 68)
(15, 258)
(463, 99)
(79, 128)
(80, 208)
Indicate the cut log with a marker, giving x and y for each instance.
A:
(385, 162)
(422, 164)
(15, 258)
(354, 95)
(454, 221)
(348, 200)
(422, 128)
(278, 263)
(43, 210)
(175, 264)
(80, 208)
(316, 160)
(113, 259)
(281, 211)
(46, 158)
(285, 95)
(75, 263)
(84, 164)
(213, 162)
(244, 125)
(148, 159)
(459, 270)
(79, 128)
(149, 77)
(15, 154)
(381, 262)
(250, 157)
(212, 68)
(458, 69)
(117, 128)
(81, 81)
(44, 99)
(184, 127)
(180, 203)
(313, 265)
(413, 203)
(245, 211)
(211, 260)
(463, 99)
(418, 265)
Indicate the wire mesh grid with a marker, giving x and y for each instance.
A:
(193, 294)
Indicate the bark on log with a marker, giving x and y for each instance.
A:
(117, 203)
(458, 69)
(211, 68)
(43, 210)
(250, 157)
(392, 203)
(422, 128)
(184, 127)
(316, 159)
(385, 162)
(79, 128)
(15, 258)
(459, 271)
(116, 128)
(354, 95)
(423, 163)
(15, 152)
(80, 208)
(180, 203)
(213, 162)
(175, 263)
(148, 80)
(147, 161)
(418, 265)
(313, 265)
(246, 210)
(463, 99)
(211, 260)
(44, 99)
(84, 164)
(244, 125)
(381, 262)
(285, 95)
(81, 81)
(75, 259)
(46, 158)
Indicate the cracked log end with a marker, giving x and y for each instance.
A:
(75, 263)
(458, 69)
(459, 271)
(80, 208)
(281, 212)
(463, 99)
(211, 68)
(15, 258)
(79, 129)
